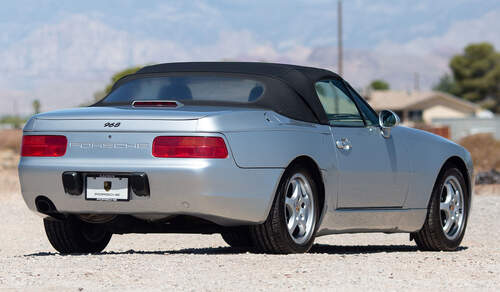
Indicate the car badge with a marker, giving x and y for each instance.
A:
(112, 125)
(107, 186)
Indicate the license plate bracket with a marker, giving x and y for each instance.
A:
(104, 187)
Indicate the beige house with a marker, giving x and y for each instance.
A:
(422, 106)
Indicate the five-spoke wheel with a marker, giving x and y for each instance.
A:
(447, 214)
(299, 209)
(291, 224)
(452, 208)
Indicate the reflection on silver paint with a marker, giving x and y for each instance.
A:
(378, 185)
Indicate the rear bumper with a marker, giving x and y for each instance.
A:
(212, 189)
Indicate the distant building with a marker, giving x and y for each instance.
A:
(421, 107)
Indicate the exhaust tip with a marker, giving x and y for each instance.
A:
(44, 205)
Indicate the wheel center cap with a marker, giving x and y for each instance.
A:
(297, 207)
(452, 207)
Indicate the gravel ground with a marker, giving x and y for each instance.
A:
(204, 262)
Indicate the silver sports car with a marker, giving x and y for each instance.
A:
(268, 155)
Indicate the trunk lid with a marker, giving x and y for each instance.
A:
(121, 119)
(128, 113)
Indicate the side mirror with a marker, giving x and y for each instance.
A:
(387, 119)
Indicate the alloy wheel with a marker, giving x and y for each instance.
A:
(300, 216)
(451, 208)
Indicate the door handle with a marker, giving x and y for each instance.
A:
(344, 144)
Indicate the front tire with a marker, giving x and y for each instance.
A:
(72, 236)
(447, 216)
(292, 221)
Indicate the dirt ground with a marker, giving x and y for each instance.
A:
(204, 262)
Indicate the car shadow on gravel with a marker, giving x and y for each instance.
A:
(316, 249)
(201, 251)
(365, 249)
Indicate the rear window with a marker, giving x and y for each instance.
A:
(187, 88)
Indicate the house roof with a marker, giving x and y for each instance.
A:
(418, 100)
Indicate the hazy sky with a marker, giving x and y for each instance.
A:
(62, 51)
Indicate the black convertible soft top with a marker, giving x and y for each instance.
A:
(291, 88)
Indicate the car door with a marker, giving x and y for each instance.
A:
(373, 170)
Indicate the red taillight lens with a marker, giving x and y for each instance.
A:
(189, 147)
(49, 146)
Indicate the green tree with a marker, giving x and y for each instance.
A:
(446, 84)
(14, 120)
(36, 106)
(102, 93)
(477, 75)
(379, 85)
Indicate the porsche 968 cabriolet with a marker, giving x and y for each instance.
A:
(268, 155)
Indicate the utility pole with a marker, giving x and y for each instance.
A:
(14, 107)
(417, 82)
(339, 26)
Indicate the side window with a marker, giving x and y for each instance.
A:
(371, 118)
(339, 107)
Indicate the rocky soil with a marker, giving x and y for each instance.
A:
(203, 262)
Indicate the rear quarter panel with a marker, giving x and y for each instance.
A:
(263, 139)
(267, 140)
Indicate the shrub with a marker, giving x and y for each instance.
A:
(485, 151)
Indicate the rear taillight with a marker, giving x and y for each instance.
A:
(189, 147)
(46, 146)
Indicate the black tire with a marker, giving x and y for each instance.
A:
(238, 237)
(432, 236)
(272, 236)
(72, 236)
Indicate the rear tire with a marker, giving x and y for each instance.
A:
(72, 236)
(447, 214)
(238, 237)
(296, 197)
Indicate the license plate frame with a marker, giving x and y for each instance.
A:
(100, 194)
